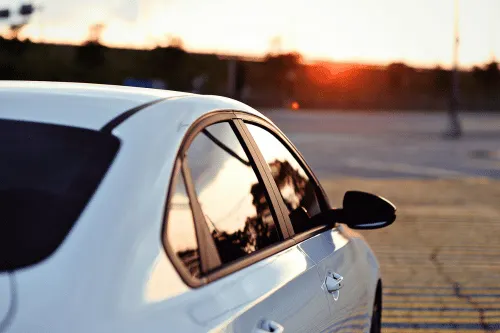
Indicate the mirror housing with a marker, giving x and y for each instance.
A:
(366, 211)
(360, 210)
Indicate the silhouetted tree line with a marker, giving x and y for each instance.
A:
(274, 81)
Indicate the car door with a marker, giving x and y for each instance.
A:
(337, 253)
(247, 273)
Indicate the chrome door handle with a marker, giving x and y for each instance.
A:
(333, 282)
(269, 326)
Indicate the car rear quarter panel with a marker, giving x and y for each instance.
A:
(112, 262)
(6, 298)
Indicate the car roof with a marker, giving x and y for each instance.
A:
(73, 104)
(92, 105)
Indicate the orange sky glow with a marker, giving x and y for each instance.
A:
(418, 32)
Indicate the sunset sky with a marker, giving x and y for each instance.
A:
(419, 32)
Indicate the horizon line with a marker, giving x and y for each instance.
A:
(260, 56)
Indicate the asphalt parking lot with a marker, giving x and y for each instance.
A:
(441, 260)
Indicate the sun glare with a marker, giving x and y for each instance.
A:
(295, 106)
(363, 31)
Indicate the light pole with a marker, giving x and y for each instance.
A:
(455, 130)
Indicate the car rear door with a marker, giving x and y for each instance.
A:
(249, 275)
(335, 252)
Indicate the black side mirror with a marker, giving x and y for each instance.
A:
(361, 211)
(366, 211)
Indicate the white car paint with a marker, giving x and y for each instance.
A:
(5, 297)
(82, 105)
(111, 274)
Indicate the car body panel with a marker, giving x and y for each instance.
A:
(277, 288)
(284, 289)
(340, 253)
(111, 273)
(72, 104)
(6, 298)
(115, 245)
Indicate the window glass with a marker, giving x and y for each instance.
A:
(232, 199)
(48, 174)
(180, 229)
(297, 190)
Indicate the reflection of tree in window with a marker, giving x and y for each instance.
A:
(191, 260)
(237, 229)
(296, 190)
(259, 231)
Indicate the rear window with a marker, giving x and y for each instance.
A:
(48, 173)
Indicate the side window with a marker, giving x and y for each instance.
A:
(297, 190)
(181, 234)
(234, 202)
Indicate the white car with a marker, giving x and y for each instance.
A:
(137, 210)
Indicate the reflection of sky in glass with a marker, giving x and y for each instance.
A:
(223, 183)
(288, 193)
(227, 199)
(181, 233)
(205, 157)
(225, 134)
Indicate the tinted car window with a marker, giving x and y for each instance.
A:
(48, 173)
(297, 190)
(180, 229)
(234, 202)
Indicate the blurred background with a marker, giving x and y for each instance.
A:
(396, 97)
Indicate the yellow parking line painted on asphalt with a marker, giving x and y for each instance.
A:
(443, 292)
(445, 248)
(439, 305)
(486, 288)
(431, 293)
(492, 321)
(423, 252)
(420, 330)
(396, 309)
(404, 300)
(422, 295)
(388, 264)
(487, 266)
(424, 315)
(436, 320)
(411, 300)
(448, 258)
(486, 299)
